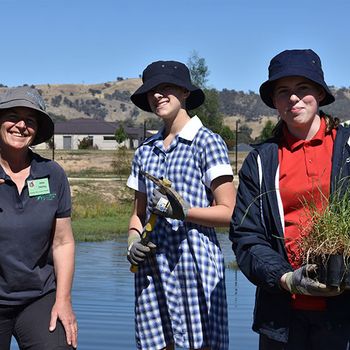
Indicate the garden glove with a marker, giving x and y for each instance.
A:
(137, 252)
(170, 205)
(303, 281)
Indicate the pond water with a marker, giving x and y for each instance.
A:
(103, 295)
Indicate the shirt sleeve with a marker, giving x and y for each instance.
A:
(215, 159)
(64, 201)
(135, 181)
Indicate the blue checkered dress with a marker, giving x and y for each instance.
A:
(180, 291)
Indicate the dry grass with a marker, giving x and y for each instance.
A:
(98, 162)
(96, 165)
(256, 126)
(86, 162)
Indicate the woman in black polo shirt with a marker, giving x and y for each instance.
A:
(36, 239)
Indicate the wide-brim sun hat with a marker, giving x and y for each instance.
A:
(29, 97)
(171, 72)
(303, 63)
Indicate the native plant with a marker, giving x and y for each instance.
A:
(324, 234)
(327, 231)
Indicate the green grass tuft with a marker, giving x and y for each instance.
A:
(95, 219)
(328, 231)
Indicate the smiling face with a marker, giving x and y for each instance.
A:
(18, 127)
(297, 100)
(166, 100)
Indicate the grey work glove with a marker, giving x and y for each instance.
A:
(170, 205)
(137, 252)
(303, 281)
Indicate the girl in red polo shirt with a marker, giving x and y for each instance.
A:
(308, 152)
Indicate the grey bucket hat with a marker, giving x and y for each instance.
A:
(26, 96)
(171, 72)
(303, 63)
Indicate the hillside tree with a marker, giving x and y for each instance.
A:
(120, 134)
(208, 112)
(198, 69)
(244, 134)
(266, 132)
(228, 135)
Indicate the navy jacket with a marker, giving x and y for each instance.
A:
(257, 234)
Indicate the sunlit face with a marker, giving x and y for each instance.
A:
(297, 100)
(18, 127)
(166, 100)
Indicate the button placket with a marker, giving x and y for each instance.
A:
(310, 160)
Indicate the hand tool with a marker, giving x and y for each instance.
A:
(163, 185)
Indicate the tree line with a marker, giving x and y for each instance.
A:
(250, 105)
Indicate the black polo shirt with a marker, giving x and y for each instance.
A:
(26, 231)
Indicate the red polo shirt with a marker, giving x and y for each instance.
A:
(305, 172)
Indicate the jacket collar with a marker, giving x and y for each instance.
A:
(341, 157)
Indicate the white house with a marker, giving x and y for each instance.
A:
(68, 134)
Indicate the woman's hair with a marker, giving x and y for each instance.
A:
(331, 123)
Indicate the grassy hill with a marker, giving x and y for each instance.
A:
(110, 101)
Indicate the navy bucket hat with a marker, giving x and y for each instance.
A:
(171, 72)
(303, 63)
(29, 97)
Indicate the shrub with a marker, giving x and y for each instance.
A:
(122, 163)
(56, 101)
(85, 143)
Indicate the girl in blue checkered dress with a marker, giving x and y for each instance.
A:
(180, 282)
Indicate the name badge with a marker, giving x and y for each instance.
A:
(38, 187)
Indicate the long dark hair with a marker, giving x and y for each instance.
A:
(331, 123)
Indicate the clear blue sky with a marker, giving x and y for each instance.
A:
(86, 41)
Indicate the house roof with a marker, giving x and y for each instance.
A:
(84, 126)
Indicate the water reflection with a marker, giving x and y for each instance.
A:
(103, 295)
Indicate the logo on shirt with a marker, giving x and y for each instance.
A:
(46, 197)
